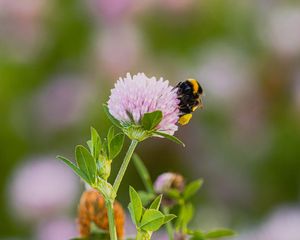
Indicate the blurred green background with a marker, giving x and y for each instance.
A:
(59, 60)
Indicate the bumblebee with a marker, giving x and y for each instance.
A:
(190, 95)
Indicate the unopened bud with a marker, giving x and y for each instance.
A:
(104, 167)
(167, 181)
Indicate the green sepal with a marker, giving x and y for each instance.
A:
(111, 117)
(151, 120)
(170, 137)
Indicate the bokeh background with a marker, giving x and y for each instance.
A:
(59, 59)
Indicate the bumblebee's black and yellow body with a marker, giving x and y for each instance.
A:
(189, 93)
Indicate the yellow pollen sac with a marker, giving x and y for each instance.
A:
(194, 84)
(183, 120)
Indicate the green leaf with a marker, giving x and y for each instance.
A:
(86, 163)
(146, 197)
(173, 193)
(116, 145)
(132, 214)
(197, 235)
(151, 120)
(185, 215)
(109, 137)
(169, 217)
(90, 145)
(219, 233)
(111, 117)
(152, 220)
(156, 203)
(188, 214)
(110, 134)
(170, 137)
(96, 143)
(74, 168)
(192, 188)
(143, 172)
(137, 207)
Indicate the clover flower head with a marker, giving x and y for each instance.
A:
(168, 181)
(133, 96)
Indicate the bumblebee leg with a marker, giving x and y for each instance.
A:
(183, 120)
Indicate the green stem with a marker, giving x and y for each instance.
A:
(169, 225)
(111, 220)
(142, 235)
(124, 165)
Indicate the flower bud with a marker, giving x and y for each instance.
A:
(104, 167)
(168, 181)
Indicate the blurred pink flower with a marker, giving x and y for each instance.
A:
(118, 49)
(281, 30)
(167, 181)
(57, 229)
(138, 94)
(62, 102)
(177, 5)
(142, 7)
(283, 224)
(41, 187)
(21, 27)
(110, 11)
(225, 74)
(160, 235)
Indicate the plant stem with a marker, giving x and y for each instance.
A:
(124, 165)
(169, 226)
(111, 220)
(142, 235)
